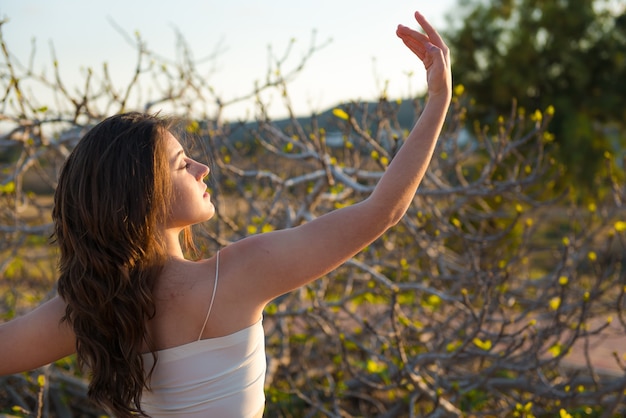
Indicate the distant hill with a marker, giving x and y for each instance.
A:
(406, 117)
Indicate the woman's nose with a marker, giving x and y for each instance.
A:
(202, 171)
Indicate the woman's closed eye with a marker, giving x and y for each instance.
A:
(186, 165)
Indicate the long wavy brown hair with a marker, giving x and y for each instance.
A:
(110, 207)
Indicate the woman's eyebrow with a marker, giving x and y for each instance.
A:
(177, 155)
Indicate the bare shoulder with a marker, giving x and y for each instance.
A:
(183, 297)
(182, 282)
(242, 265)
(236, 271)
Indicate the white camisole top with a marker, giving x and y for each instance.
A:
(216, 377)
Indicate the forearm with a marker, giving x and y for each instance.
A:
(396, 189)
(35, 339)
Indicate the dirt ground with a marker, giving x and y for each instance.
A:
(602, 350)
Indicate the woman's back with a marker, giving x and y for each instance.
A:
(220, 377)
(202, 367)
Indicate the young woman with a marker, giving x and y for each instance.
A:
(166, 336)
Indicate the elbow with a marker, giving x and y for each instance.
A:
(396, 213)
(395, 219)
(391, 219)
(386, 216)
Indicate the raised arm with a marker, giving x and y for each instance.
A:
(280, 261)
(35, 339)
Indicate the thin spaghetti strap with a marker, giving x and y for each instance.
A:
(217, 270)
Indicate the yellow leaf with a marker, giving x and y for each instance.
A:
(404, 264)
(433, 301)
(563, 280)
(341, 114)
(555, 350)
(483, 345)
(450, 347)
(548, 137)
(459, 89)
(564, 414)
(41, 380)
(375, 367)
(555, 302)
(592, 256)
(7, 188)
(620, 226)
(193, 127)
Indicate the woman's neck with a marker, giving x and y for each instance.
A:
(172, 244)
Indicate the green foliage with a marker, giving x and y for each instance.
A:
(566, 53)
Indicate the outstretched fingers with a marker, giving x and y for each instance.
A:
(432, 33)
(420, 43)
(432, 51)
(415, 41)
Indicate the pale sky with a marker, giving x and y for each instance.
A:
(364, 51)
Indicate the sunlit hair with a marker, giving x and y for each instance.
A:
(109, 209)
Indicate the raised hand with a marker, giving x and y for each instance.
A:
(433, 52)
